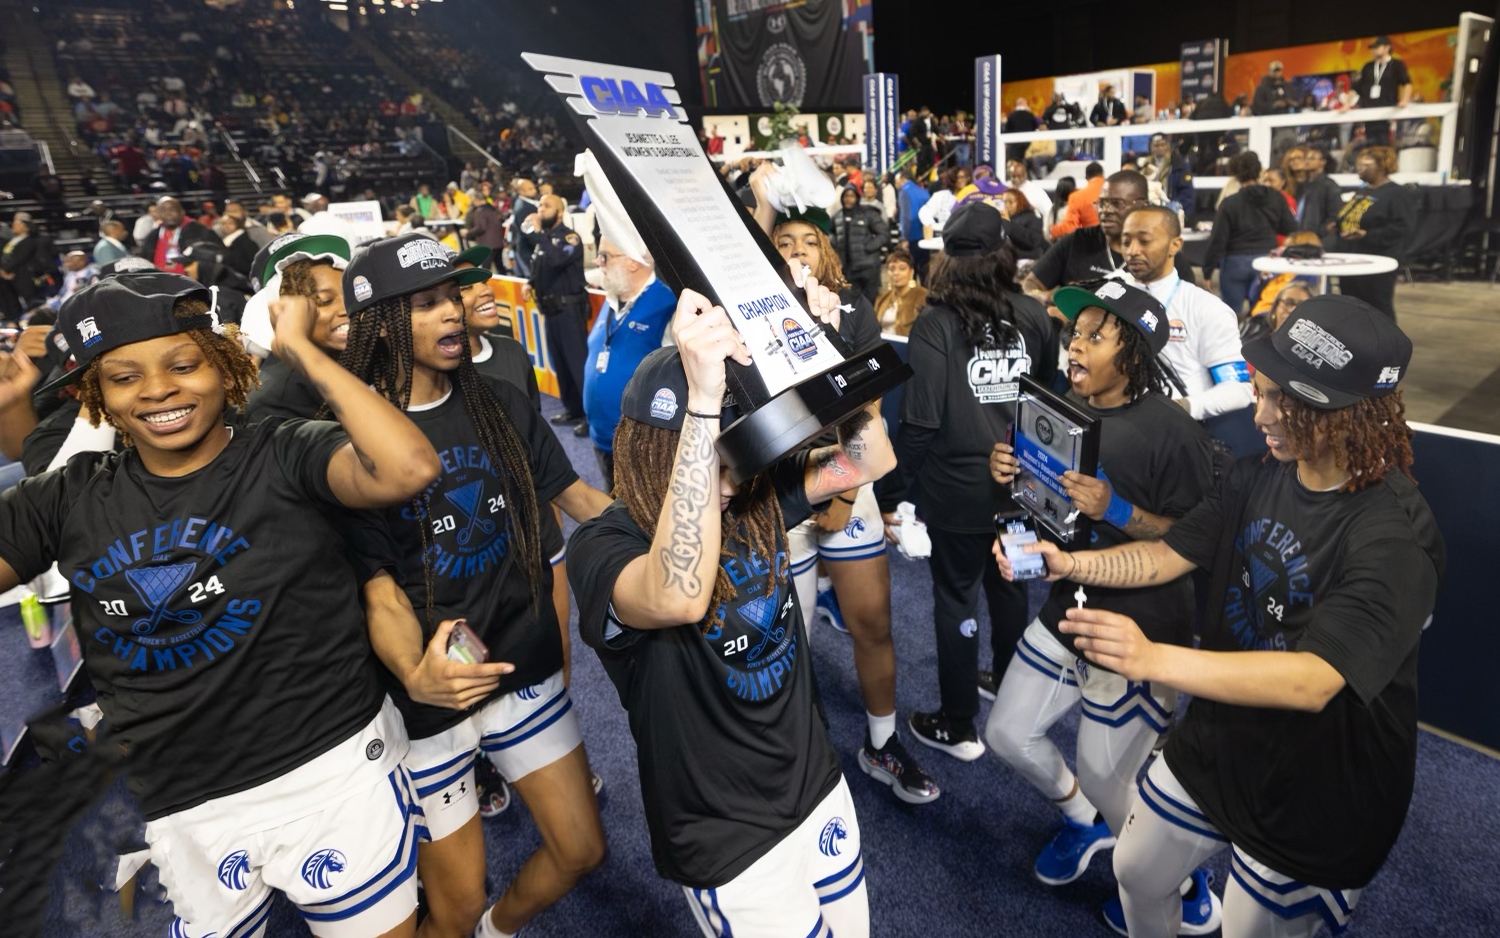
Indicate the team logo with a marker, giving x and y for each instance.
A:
(362, 289)
(61, 341)
(1148, 319)
(763, 126)
(1388, 377)
(156, 586)
(1112, 290)
(1316, 346)
(128, 264)
(835, 125)
(375, 749)
(855, 527)
(664, 404)
(317, 868)
(88, 330)
(781, 76)
(798, 340)
(424, 252)
(622, 96)
(1177, 332)
(833, 832)
(232, 870)
(1308, 391)
(1081, 668)
(283, 241)
(1044, 430)
(468, 499)
(530, 693)
(761, 612)
(776, 23)
(968, 628)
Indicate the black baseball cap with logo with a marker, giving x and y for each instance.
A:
(1130, 304)
(657, 393)
(401, 266)
(974, 229)
(124, 309)
(1333, 351)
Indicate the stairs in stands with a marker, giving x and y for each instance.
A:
(46, 113)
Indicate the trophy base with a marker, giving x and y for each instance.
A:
(757, 440)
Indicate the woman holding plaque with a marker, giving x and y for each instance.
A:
(969, 348)
(1154, 465)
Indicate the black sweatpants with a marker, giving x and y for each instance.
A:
(1379, 290)
(866, 282)
(961, 563)
(566, 322)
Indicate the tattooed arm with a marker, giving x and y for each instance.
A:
(673, 582)
(1141, 563)
(387, 460)
(864, 454)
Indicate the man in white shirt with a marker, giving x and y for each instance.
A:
(1017, 176)
(1204, 342)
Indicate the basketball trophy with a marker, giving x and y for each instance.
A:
(1052, 436)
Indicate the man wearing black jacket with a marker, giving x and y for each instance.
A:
(1273, 94)
(1319, 199)
(166, 242)
(556, 264)
(859, 232)
(1245, 227)
(1109, 111)
(19, 260)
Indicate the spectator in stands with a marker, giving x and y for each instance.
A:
(525, 204)
(130, 165)
(871, 195)
(1380, 219)
(455, 202)
(1273, 178)
(1273, 95)
(485, 225)
(1383, 82)
(165, 244)
(1082, 211)
(935, 213)
(239, 248)
(898, 305)
(1109, 111)
(423, 202)
(254, 230)
(79, 90)
(21, 262)
(859, 235)
(1019, 121)
(1169, 169)
(910, 198)
(1023, 226)
(1245, 227)
(1018, 176)
(556, 282)
(78, 273)
(278, 223)
(143, 226)
(637, 310)
(1062, 113)
(111, 244)
(1319, 199)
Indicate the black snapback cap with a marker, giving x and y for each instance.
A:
(1333, 351)
(401, 266)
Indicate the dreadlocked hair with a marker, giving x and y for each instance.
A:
(223, 352)
(1135, 360)
(384, 362)
(979, 289)
(644, 456)
(1369, 438)
(297, 278)
(830, 272)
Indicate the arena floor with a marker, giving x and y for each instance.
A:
(1454, 379)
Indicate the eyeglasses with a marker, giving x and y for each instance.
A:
(602, 258)
(1118, 204)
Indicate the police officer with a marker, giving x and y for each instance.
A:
(557, 284)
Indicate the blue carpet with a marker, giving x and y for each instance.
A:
(960, 866)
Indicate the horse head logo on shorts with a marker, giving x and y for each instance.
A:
(316, 868)
(232, 870)
(833, 832)
(530, 693)
(855, 527)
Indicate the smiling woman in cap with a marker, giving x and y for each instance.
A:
(1299, 749)
(218, 616)
(469, 550)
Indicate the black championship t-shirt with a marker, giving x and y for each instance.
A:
(1157, 458)
(1351, 578)
(861, 329)
(967, 395)
(283, 392)
(475, 575)
(218, 615)
(733, 750)
(1084, 255)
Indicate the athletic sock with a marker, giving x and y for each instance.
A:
(825, 583)
(487, 929)
(1077, 808)
(881, 728)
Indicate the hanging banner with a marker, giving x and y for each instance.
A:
(764, 52)
(882, 121)
(1202, 68)
(987, 115)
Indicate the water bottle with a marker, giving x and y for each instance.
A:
(37, 622)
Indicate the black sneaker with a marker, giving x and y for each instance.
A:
(989, 684)
(494, 793)
(894, 766)
(564, 417)
(955, 737)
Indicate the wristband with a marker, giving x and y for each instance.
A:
(694, 413)
(1119, 511)
(846, 501)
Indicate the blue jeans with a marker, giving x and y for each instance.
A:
(1235, 279)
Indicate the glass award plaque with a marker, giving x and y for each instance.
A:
(1052, 436)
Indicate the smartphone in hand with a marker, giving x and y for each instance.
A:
(465, 646)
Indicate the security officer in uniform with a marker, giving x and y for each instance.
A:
(558, 286)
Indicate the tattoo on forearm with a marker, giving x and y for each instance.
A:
(692, 485)
(1129, 566)
(835, 473)
(1144, 526)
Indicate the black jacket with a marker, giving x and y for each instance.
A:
(858, 235)
(1321, 200)
(1248, 223)
(22, 261)
(1025, 231)
(1106, 110)
(192, 233)
(1272, 96)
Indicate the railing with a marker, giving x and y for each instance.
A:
(1260, 131)
(45, 152)
(455, 132)
(234, 151)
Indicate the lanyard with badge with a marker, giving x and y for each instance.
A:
(601, 363)
(1379, 70)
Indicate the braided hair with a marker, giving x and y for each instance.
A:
(1135, 360)
(386, 363)
(644, 456)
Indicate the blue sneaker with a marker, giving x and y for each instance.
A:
(828, 608)
(1068, 854)
(1202, 912)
